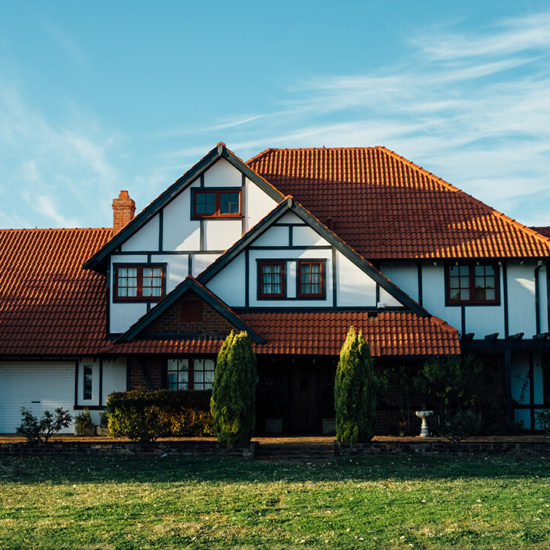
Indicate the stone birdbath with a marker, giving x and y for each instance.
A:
(423, 415)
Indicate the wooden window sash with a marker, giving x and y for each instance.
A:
(139, 283)
(472, 285)
(271, 296)
(217, 200)
(322, 283)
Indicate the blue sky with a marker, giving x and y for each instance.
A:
(101, 96)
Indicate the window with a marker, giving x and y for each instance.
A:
(472, 284)
(87, 375)
(311, 279)
(271, 279)
(216, 203)
(190, 374)
(139, 282)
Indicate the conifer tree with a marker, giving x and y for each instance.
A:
(355, 391)
(233, 403)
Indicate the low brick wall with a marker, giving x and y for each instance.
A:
(435, 448)
(129, 448)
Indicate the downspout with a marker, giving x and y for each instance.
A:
(537, 297)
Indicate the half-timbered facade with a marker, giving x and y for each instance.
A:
(293, 246)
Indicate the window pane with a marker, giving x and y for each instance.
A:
(205, 203)
(229, 203)
(465, 294)
(271, 279)
(87, 383)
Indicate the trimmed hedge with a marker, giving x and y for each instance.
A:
(145, 416)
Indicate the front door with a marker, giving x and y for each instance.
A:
(304, 417)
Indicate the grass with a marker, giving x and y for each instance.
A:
(372, 502)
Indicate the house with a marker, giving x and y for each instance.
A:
(293, 246)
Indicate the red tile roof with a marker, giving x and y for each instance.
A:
(48, 304)
(385, 206)
(323, 333)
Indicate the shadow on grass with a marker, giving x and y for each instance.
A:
(63, 469)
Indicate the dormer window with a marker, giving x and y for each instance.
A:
(139, 283)
(216, 203)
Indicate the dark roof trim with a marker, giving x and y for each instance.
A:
(189, 285)
(291, 205)
(218, 152)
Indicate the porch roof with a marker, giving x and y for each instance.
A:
(389, 334)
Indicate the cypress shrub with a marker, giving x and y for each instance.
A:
(233, 403)
(355, 391)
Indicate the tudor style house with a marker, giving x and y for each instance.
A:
(293, 246)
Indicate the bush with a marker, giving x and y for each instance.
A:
(233, 402)
(83, 424)
(145, 416)
(543, 419)
(460, 425)
(452, 384)
(39, 431)
(355, 391)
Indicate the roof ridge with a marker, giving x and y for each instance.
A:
(456, 189)
(265, 152)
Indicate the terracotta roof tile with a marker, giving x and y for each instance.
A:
(48, 304)
(385, 206)
(323, 333)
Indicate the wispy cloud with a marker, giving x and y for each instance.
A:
(472, 107)
(57, 171)
(63, 39)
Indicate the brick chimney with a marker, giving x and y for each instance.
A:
(123, 211)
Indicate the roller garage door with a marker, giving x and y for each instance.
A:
(35, 386)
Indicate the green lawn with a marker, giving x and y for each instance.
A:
(373, 502)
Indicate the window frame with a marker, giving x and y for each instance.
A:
(87, 374)
(190, 373)
(139, 298)
(263, 296)
(471, 279)
(217, 192)
(299, 294)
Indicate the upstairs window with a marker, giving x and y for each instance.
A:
(311, 279)
(469, 284)
(271, 279)
(216, 203)
(139, 283)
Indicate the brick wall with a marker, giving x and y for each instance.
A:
(146, 373)
(190, 315)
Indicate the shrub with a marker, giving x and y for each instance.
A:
(355, 391)
(145, 416)
(83, 424)
(40, 431)
(233, 403)
(460, 425)
(543, 419)
(452, 383)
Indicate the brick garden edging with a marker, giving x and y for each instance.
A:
(130, 448)
(305, 451)
(437, 448)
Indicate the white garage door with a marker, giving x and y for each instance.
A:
(35, 386)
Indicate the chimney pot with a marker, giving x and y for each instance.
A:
(124, 209)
